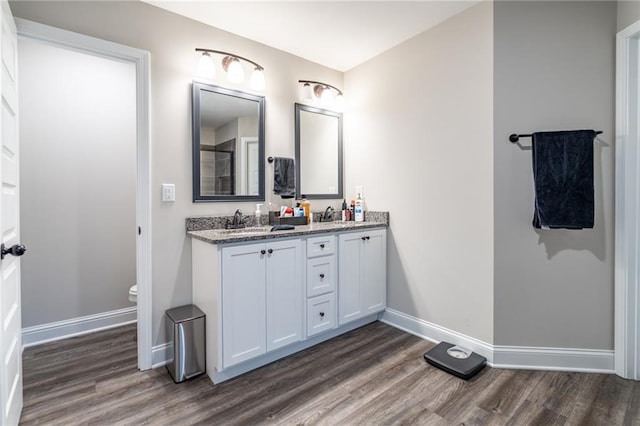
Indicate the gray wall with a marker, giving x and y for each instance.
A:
(77, 174)
(439, 127)
(171, 39)
(419, 138)
(628, 13)
(553, 288)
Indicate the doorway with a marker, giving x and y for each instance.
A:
(136, 244)
(627, 221)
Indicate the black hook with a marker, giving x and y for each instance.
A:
(15, 250)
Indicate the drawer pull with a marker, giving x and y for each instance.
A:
(368, 237)
(363, 238)
(263, 251)
(321, 246)
(321, 314)
(321, 275)
(270, 251)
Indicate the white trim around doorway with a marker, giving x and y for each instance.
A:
(627, 218)
(140, 58)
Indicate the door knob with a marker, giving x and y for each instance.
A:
(15, 250)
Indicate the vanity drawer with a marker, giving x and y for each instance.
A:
(321, 275)
(320, 246)
(321, 314)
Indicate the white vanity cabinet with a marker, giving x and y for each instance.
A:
(362, 274)
(267, 298)
(262, 295)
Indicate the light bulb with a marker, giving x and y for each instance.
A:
(235, 73)
(206, 68)
(327, 96)
(307, 93)
(257, 81)
(339, 103)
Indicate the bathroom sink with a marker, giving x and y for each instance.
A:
(243, 231)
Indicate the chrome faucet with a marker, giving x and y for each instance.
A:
(237, 222)
(328, 215)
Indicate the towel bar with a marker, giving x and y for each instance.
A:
(514, 137)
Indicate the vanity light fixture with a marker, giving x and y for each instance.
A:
(233, 67)
(329, 95)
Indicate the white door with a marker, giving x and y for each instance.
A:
(10, 312)
(253, 171)
(627, 226)
(285, 292)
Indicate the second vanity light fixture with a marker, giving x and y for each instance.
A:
(327, 94)
(233, 67)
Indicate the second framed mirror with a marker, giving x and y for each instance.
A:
(318, 137)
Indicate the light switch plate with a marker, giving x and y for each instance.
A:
(168, 192)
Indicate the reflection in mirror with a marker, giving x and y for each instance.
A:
(228, 144)
(318, 153)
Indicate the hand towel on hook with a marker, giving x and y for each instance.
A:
(563, 179)
(284, 177)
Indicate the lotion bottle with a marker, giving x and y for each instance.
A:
(258, 214)
(306, 205)
(359, 208)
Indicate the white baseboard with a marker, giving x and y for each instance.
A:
(161, 354)
(435, 333)
(39, 334)
(516, 357)
(554, 359)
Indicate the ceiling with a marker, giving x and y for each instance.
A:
(336, 34)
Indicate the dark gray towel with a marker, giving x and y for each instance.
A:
(563, 179)
(284, 177)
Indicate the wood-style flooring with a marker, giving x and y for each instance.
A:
(370, 376)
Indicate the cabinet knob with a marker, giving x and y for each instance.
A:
(321, 275)
(368, 237)
(363, 238)
(321, 246)
(263, 251)
(270, 251)
(321, 314)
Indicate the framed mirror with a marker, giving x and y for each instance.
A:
(228, 144)
(318, 153)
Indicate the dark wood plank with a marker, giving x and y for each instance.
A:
(372, 375)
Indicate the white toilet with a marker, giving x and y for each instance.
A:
(133, 294)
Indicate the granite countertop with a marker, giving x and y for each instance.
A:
(256, 233)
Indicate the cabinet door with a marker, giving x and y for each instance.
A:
(374, 271)
(243, 303)
(285, 293)
(349, 288)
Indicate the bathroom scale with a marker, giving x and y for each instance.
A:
(455, 360)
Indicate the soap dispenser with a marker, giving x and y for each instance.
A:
(258, 213)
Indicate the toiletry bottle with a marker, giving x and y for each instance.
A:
(359, 208)
(306, 205)
(344, 210)
(353, 210)
(258, 214)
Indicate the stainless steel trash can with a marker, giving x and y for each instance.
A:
(186, 329)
